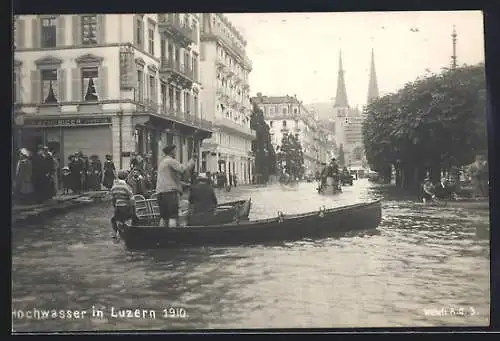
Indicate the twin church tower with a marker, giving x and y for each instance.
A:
(348, 121)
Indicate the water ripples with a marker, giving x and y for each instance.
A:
(419, 258)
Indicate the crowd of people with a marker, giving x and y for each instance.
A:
(39, 176)
(475, 175)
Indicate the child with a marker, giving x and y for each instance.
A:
(66, 179)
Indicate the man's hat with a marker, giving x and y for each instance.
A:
(333, 159)
(169, 148)
(202, 177)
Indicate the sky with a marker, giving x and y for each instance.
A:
(298, 53)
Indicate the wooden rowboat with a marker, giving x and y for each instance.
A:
(281, 228)
(148, 212)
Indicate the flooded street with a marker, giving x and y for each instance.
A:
(421, 260)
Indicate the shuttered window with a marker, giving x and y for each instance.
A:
(89, 29)
(139, 32)
(171, 98)
(140, 85)
(152, 89)
(151, 39)
(49, 33)
(178, 100)
(195, 104)
(163, 87)
(187, 104)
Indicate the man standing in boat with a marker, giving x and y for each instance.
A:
(169, 185)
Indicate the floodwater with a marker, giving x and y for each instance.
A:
(424, 266)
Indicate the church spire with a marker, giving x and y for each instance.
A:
(341, 97)
(372, 85)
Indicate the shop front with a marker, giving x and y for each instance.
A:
(67, 136)
(152, 133)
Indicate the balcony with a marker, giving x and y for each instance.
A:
(228, 72)
(169, 24)
(234, 104)
(149, 105)
(221, 64)
(189, 120)
(235, 128)
(237, 79)
(223, 94)
(228, 44)
(175, 72)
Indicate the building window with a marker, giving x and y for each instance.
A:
(195, 67)
(152, 88)
(271, 110)
(284, 124)
(89, 76)
(295, 110)
(171, 98)
(89, 29)
(140, 85)
(178, 100)
(296, 124)
(49, 86)
(49, 32)
(284, 111)
(195, 103)
(271, 124)
(187, 106)
(139, 33)
(187, 61)
(151, 39)
(164, 96)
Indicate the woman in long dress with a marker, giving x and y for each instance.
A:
(24, 184)
(109, 172)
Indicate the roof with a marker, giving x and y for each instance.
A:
(275, 99)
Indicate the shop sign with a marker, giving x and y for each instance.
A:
(67, 122)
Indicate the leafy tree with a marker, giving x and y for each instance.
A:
(430, 125)
(262, 148)
(291, 156)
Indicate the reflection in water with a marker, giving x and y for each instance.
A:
(419, 258)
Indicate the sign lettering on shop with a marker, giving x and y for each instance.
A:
(68, 122)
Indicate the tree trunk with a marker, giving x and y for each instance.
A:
(398, 176)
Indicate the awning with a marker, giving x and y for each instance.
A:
(168, 123)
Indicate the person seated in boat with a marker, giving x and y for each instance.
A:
(331, 171)
(137, 182)
(169, 185)
(202, 198)
(428, 190)
(445, 189)
(123, 201)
